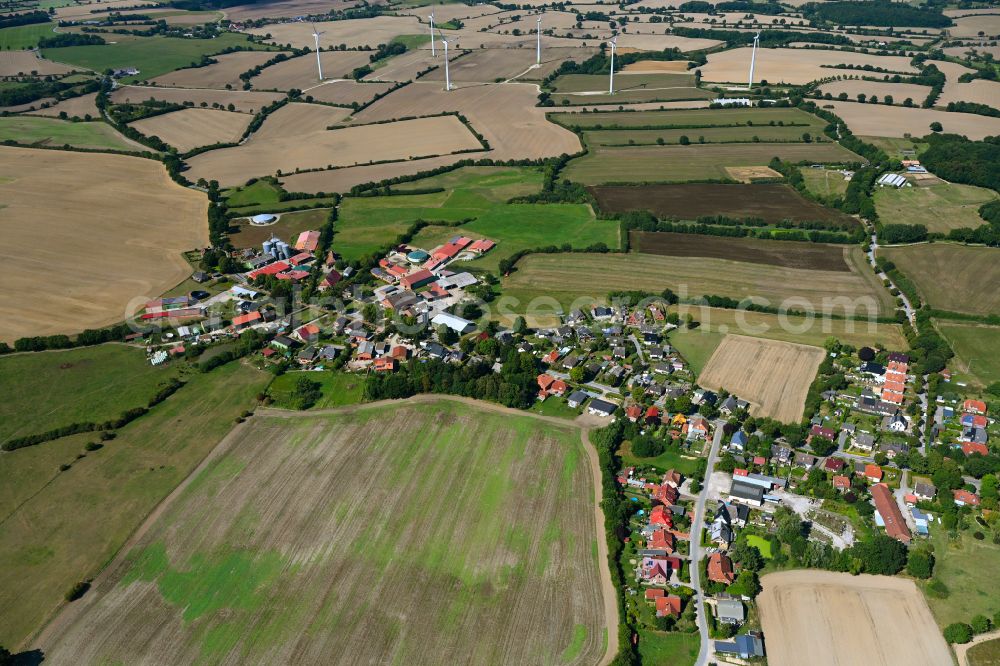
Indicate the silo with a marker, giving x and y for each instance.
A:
(286, 251)
(269, 247)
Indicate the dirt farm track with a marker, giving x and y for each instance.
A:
(838, 619)
(83, 234)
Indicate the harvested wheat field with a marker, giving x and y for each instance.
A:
(898, 91)
(301, 72)
(895, 121)
(795, 66)
(773, 376)
(948, 276)
(505, 115)
(245, 101)
(225, 72)
(188, 129)
(364, 144)
(447, 12)
(653, 66)
(658, 42)
(979, 91)
(342, 180)
(837, 618)
(346, 92)
(285, 9)
(13, 63)
(352, 32)
(75, 107)
(85, 234)
(404, 67)
(470, 537)
(299, 118)
(971, 26)
(86, 10)
(488, 65)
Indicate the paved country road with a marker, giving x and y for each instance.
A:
(705, 653)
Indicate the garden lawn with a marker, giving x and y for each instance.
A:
(762, 544)
(673, 648)
(696, 345)
(669, 459)
(968, 568)
(42, 391)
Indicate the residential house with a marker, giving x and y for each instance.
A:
(974, 407)
(672, 478)
(633, 412)
(730, 611)
(864, 441)
(283, 342)
(873, 473)
(662, 541)
(975, 435)
(669, 605)
(969, 448)
(832, 464)
(697, 428)
(921, 521)
(841, 483)
(896, 422)
(739, 440)
(576, 398)
(888, 514)
(965, 498)
(307, 356)
(804, 460)
(720, 569)
(744, 646)
(308, 333)
(924, 491)
(385, 364)
(746, 493)
(600, 407)
(720, 530)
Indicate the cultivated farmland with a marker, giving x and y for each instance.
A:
(941, 207)
(301, 72)
(773, 376)
(345, 93)
(898, 91)
(295, 119)
(896, 121)
(810, 612)
(280, 544)
(353, 32)
(225, 72)
(62, 527)
(770, 202)
(137, 223)
(247, 101)
(74, 107)
(566, 277)
(190, 128)
(360, 144)
(680, 163)
(951, 277)
(13, 63)
(691, 119)
(794, 66)
(790, 254)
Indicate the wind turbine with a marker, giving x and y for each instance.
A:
(753, 58)
(611, 82)
(447, 76)
(538, 45)
(319, 65)
(433, 50)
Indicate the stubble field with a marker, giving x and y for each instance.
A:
(773, 376)
(13, 63)
(790, 254)
(810, 612)
(793, 66)
(78, 107)
(226, 71)
(301, 72)
(352, 32)
(189, 128)
(470, 535)
(246, 101)
(135, 224)
(896, 121)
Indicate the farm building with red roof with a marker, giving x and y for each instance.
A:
(888, 511)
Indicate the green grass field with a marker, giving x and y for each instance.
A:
(691, 118)
(966, 566)
(744, 134)
(825, 182)
(568, 83)
(673, 649)
(632, 95)
(55, 132)
(674, 163)
(24, 36)
(495, 184)
(260, 193)
(46, 390)
(951, 277)
(338, 388)
(63, 527)
(306, 538)
(899, 148)
(762, 544)
(985, 654)
(288, 227)
(940, 208)
(696, 345)
(152, 56)
(669, 459)
(975, 349)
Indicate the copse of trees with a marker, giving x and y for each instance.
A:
(959, 160)
(881, 13)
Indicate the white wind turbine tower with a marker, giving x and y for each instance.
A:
(433, 50)
(538, 44)
(447, 75)
(753, 58)
(611, 82)
(319, 65)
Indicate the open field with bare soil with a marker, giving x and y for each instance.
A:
(129, 224)
(647, 66)
(75, 107)
(659, 164)
(794, 66)
(189, 128)
(342, 147)
(13, 63)
(353, 32)
(898, 91)
(774, 377)
(790, 254)
(895, 121)
(455, 544)
(299, 118)
(810, 612)
(951, 277)
(246, 101)
(688, 201)
(226, 71)
(565, 277)
(505, 115)
(301, 72)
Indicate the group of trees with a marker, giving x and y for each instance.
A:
(880, 13)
